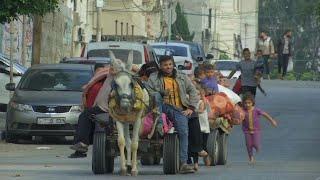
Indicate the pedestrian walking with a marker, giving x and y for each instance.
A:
(265, 44)
(251, 125)
(284, 51)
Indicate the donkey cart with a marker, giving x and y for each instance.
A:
(105, 149)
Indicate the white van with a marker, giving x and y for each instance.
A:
(181, 53)
(142, 53)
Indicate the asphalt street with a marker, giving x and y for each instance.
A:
(289, 152)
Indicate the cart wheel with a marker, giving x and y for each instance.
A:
(99, 153)
(109, 164)
(223, 147)
(171, 154)
(213, 146)
(147, 159)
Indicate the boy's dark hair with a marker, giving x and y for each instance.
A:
(249, 96)
(100, 65)
(148, 69)
(286, 31)
(246, 49)
(259, 50)
(209, 67)
(164, 58)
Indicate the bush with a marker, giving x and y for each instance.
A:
(307, 76)
(290, 76)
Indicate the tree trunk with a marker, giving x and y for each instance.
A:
(36, 45)
(23, 49)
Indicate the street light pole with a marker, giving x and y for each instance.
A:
(99, 5)
(169, 19)
(11, 51)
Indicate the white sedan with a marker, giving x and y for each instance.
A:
(226, 66)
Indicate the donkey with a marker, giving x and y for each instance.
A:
(125, 96)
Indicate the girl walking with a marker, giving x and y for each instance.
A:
(251, 125)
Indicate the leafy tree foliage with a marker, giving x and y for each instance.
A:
(300, 16)
(180, 27)
(11, 9)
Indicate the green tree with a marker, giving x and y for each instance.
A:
(11, 9)
(224, 56)
(300, 16)
(180, 27)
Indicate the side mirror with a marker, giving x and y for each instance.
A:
(10, 86)
(210, 56)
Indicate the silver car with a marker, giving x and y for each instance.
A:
(47, 101)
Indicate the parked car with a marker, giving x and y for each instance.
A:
(197, 51)
(47, 101)
(18, 71)
(83, 60)
(142, 53)
(181, 53)
(226, 66)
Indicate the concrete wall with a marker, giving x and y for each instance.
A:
(56, 36)
(17, 40)
(249, 23)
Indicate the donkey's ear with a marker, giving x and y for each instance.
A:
(130, 61)
(112, 56)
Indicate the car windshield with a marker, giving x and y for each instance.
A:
(226, 65)
(119, 53)
(195, 50)
(174, 50)
(55, 80)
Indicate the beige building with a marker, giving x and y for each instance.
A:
(127, 19)
(234, 24)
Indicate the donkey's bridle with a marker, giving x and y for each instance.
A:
(124, 96)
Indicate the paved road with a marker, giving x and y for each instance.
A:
(289, 152)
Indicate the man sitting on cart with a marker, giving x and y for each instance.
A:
(180, 98)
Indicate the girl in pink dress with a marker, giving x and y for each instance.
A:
(251, 125)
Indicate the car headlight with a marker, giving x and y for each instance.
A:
(76, 109)
(21, 107)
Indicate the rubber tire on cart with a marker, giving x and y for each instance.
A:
(223, 148)
(171, 159)
(213, 146)
(101, 163)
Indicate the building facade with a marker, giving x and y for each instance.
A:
(127, 19)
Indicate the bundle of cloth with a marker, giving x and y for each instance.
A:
(225, 104)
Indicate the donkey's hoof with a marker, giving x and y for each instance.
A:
(123, 172)
(134, 173)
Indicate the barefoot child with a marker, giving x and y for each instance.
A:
(251, 125)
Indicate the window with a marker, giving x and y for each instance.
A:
(55, 80)
(119, 53)
(172, 50)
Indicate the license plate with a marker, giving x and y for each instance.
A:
(58, 120)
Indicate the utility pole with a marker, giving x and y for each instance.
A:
(11, 49)
(169, 18)
(99, 5)
(23, 44)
